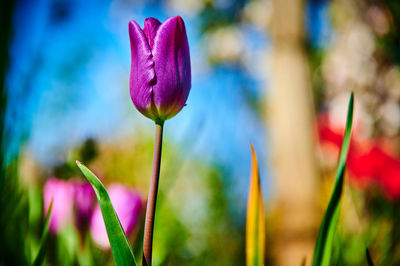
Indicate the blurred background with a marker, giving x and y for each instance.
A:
(276, 73)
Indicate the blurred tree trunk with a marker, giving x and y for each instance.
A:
(290, 114)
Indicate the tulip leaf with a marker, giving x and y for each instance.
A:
(43, 240)
(255, 230)
(369, 258)
(324, 245)
(119, 243)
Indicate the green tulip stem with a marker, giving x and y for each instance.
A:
(152, 197)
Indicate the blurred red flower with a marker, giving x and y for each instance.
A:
(368, 163)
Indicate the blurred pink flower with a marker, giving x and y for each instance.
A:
(127, 204)
(62, 193)
(84, 200)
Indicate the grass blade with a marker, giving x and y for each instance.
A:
(43, 240)
(119, 243)
(304, 261)
(324, 245)
(255, 231)
(369, 258)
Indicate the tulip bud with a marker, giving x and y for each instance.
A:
(127, 204)
(160, 78)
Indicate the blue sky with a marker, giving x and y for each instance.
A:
(68, 80)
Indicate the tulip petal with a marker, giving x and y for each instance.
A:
(150, 29)
(143, 75)
(171, 54)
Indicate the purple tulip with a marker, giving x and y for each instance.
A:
(127, 205)
(160, 77)
(62, 193)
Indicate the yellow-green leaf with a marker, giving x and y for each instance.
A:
(255, 230)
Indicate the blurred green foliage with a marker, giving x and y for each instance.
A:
(193, 220)
(13, 201)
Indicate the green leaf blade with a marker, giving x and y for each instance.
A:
(324, 245)
(43, 240)
(120, 247)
